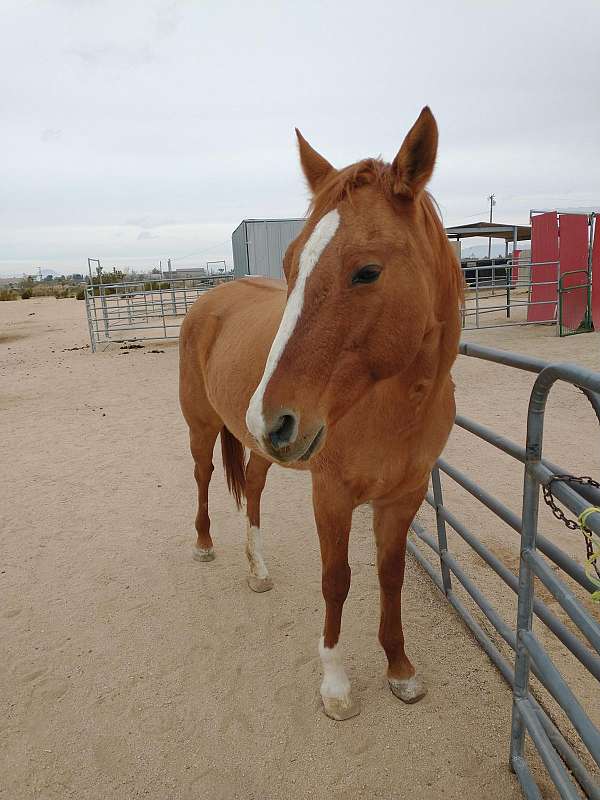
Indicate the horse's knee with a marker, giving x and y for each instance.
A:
(335, 583)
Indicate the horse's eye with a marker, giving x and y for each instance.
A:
(368, 274)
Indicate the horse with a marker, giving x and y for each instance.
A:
(343, 370)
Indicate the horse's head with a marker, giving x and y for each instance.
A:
(372, 284)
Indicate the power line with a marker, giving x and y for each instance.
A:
(470, 216)
(202, 252)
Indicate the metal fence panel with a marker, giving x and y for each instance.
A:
(565, 766)
(118, 312)
(574, 303)
(497, 296)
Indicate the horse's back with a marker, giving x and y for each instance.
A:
(246, 301)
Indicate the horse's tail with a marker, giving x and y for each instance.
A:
(234, 462)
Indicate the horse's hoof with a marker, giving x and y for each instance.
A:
(203, 554)
(260, 584)
(340, 708)
(409, 690)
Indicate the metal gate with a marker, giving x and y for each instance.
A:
(564, 765)
(501, 295)
(134, 310)
(574, 302)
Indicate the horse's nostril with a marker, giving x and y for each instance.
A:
(283, 431)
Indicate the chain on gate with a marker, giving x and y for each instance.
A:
(592, 544)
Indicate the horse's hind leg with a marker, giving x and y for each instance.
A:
(202, 442)
(256, 475)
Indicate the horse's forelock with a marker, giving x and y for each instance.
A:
(341, 184)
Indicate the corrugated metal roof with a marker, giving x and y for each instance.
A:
(495, 230)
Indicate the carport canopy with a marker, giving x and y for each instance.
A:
(493, 230)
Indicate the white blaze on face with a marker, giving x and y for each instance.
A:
(313, 249)
(335, 681)
(254, 552)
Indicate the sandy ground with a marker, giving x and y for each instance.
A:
(130, 671)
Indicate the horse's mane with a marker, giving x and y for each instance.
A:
(447, 261)
(341, 184)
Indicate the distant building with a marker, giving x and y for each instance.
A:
(186, 274)
(260, 244)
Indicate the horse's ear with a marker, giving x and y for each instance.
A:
(315, 167)
(414, 163)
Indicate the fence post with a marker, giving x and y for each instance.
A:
(441, 527)
(88, 309)
(145, 295)
(558, 298)
(533, 454)
(162, 311)
(477, 297)
(104, 312)
(173, 300)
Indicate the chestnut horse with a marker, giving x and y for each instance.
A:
(343, 371)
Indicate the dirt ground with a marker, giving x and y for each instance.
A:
(130, 671)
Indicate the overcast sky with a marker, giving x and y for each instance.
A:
(134, 131)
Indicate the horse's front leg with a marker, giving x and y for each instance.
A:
(391, 522)
(333, 515)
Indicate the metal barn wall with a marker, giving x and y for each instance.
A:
(259, 245)
(240, 255)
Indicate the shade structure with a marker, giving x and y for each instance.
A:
(495, 230)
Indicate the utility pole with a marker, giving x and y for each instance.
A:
(492, 199)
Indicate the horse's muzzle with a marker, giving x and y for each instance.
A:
(288, 441)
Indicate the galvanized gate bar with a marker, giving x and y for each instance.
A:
(565, 597)
(584, 778)
(477, 595)
(488, 609)
(575, 645)
(566, 495)
(526, 779)
(516, 451)
(549, 549)
(557, 771)
(530, 655)
(504, 357)
(552, 680)
(535, 427)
